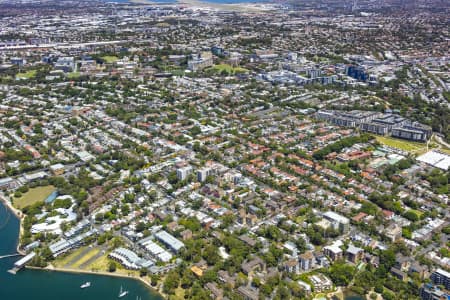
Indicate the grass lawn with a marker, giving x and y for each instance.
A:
(86, 257)
(100, 264)
(228, 69)
(177, 72)
(417, 212)
(300, 219)
(64, 260)
(110, 59)
(34, 195)
(73, 75)
(179, 294)
(402, 144)
(26, 75)
(320, 296)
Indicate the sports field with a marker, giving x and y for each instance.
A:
(110, 59)
(404, 145)
(34, 195)
(26, 75)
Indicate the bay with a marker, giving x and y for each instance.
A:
(207, 1)
(235, 1)
(48, 285)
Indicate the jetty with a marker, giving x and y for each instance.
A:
(22, 262)
(10, 255)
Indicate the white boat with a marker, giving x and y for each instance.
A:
(85, 285)
(122, 293)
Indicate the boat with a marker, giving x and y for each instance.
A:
(85, 285)
(122, 293)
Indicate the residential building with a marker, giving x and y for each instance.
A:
(393, 232)
(170, 241)
(431, 292)
(248, 293)
(441, 277)
(338, 222)
(202, 174)
(200, 61)
(183, 173)
(57, 169)
(354, 254)
(334, 251)
(306, 261)
(321, 282)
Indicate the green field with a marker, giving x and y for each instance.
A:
(177, 72)
(73, 75)
(34, 195)
(402, 144)
(225, 68)
(26, 75)
(93, 252)
(417, 212)
(110, 59)
(62, 261)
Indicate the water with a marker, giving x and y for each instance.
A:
(149, 1)
(236, 1)
(46, 285)
(210, 1)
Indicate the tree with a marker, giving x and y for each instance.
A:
(341, 273)
(195, 131)
(273, 232)
(301, 244)
(171, 282)
(387, 259)
(141, 226)
(211, 255)
(365, 280)
(46, 253)
(154, 279)
(411, 215)
(112, 266)
(143, 272)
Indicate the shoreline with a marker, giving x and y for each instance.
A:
(147, 284)
(19, 215)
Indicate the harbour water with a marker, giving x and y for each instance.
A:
(235, 1)
(47, 285)
(210, 1)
